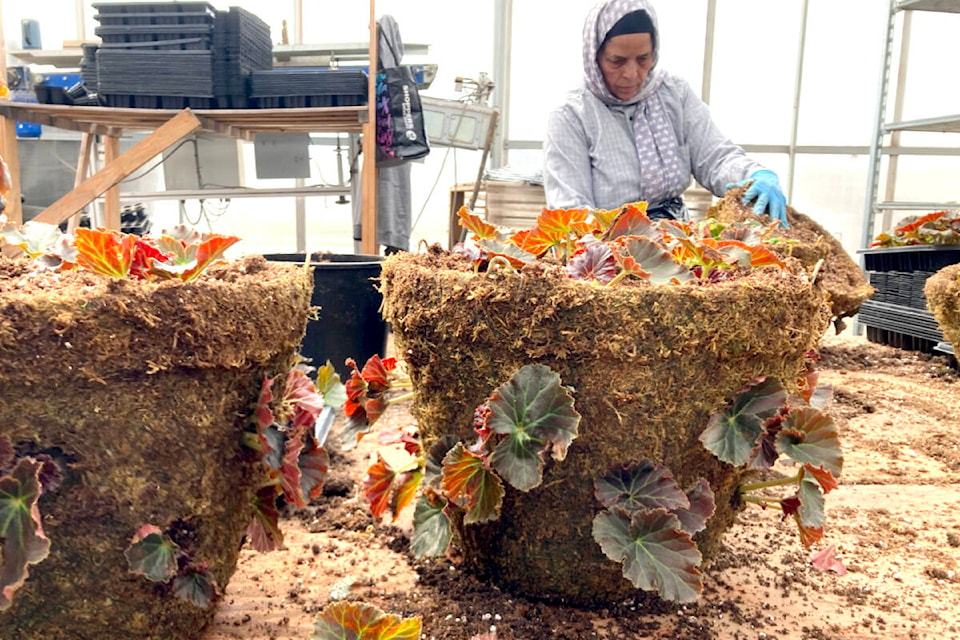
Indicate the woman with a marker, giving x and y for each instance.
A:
(635, 132)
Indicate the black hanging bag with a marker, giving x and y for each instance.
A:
(401, 134)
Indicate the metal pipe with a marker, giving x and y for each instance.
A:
(797, 86)
(502, 47)
(708, 44)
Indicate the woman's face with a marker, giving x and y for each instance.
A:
(625, 61)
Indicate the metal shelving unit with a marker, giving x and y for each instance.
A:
(944, 124)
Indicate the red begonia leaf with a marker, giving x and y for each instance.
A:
(301, 394)
(827, 560)
(105, 252)
(518, 250)
(534, 412)
(826, 480)
(290, 475)
(262, 414)
(144, 255)
(357, 621)
(264, 528)
(433, 466)
(314, 465)
(377, 485)
(657, 555)
(480, 228)
(22, 541)
(919, 222)
(633, 221)
(470, 485)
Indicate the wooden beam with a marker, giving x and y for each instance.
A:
(8, 144)
(8, 150)
(111, 203)
(83, 168)
(368, 207)
(121, 167)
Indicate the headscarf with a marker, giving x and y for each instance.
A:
(661, 172)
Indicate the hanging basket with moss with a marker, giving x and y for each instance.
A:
(664, 350)
(126, 486)
(942, 291)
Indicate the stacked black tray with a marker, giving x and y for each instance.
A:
(242, 45)
(178, 54)
(308, 87)
(897, 313)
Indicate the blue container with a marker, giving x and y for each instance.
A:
(30, 34)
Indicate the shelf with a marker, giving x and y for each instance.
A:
(942, 6)
(942, 124)
(234, 123)
(917, 206)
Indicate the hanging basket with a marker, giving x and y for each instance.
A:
(648, 365)
(140, 391)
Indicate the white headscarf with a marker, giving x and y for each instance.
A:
(662, 174)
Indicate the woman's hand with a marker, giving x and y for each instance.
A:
(765, 189)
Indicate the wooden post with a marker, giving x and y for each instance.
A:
(368, 210)
(8, 144)
(119, 168)
(83, 168)
(111, 203)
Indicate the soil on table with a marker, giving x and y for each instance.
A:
(895, 521)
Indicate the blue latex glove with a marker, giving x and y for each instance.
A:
(765, 189)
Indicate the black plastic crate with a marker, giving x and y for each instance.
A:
(901, 340)
(901, 319)
(930, 258)
(112, 8)
(302, 102)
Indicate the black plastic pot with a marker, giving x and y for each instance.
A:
(348, 323)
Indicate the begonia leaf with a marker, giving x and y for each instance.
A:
(480, 228)
(470, 485)
(639, 486)
(517, 251)
(809, 435)
(748, 255)
(22, 541)
(809, 536)
(811, 511)
(314, 466)
(431, 526)
(328, 384)
(357, 621)
(301, 394)
(657, 555)
(827, 560)
(433, 466)
(823, 477)
(406, 490)
(731, 434)
(377, 486)
(194, 257)
(702, 506)
(640, 255)
(273, 447)
(564, 224)
(51, 474)
(108, 253)
(144, 256)
(594, 261)
(264, 527)
(34, 238)
(290, 475)
(919, 222)
(633, 221)
(152, 554)
(603, 218)
(535, 413)
(197, 586)
(262, 414)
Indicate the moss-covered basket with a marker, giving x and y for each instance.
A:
(942, 291)
(141, 390)
(649, 365)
